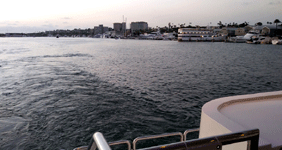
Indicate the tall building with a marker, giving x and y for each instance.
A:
(117, 27)
(141, 25)
(120, 28)
(123, 27)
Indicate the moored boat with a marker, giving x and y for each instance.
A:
(277, 42)
(199, 35)
(245, 38)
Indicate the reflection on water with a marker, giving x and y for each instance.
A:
(55, 93)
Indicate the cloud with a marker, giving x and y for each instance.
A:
(69, 27)
(49, 25)
(66, 18)
(65, 22)
(246, 3)
(4, 22)
(10, 23)
(22, 29)
(26, 29)
(275, 3)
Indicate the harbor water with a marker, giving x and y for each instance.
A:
(55, 93)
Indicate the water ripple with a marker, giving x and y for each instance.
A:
(57, 93)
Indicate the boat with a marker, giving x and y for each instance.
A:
(277, 42)
(241, 122)
(168, 36)
(266, 40)
(199, 35)
(255, 40)
(245, 38)
(151, 36)
(259, 40)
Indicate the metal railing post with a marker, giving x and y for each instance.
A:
(101, 141)
(189, 131)
(121, 142)
(155, 137)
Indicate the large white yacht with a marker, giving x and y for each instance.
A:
(277, 42)
(243, 39)
(245, 122)
(197, 35)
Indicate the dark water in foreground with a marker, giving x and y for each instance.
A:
(55, 93)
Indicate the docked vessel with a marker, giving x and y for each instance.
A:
(235, 123)
(277, 42)
(245, 38)
(199, 35)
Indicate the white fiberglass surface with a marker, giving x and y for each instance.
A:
(263, 114)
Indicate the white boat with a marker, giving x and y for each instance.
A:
(151, 36)
(245, 38)
(168, 36)
(276, 42)
(259, 40)
(193, 35)
(242, 122)
(255, 40)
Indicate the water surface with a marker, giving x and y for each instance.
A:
(55, 93)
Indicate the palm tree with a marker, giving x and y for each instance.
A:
(258, 24)
(220, 24)
(276, 21)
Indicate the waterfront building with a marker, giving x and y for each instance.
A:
(123, 30)
(229, 31)
(110, 34)
(269, 30)
(240, 32)
(117, 27)
(15, 35)
(100, 29)
(199, 34)
(136, 26)
(233, 31)
(120, 28)
(248, 28)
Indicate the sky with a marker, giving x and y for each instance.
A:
(26, 16)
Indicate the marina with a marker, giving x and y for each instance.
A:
(57, 92)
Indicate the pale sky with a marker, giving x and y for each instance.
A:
(34, 15)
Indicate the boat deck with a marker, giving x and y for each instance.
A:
(231, 114)
(265, 115)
